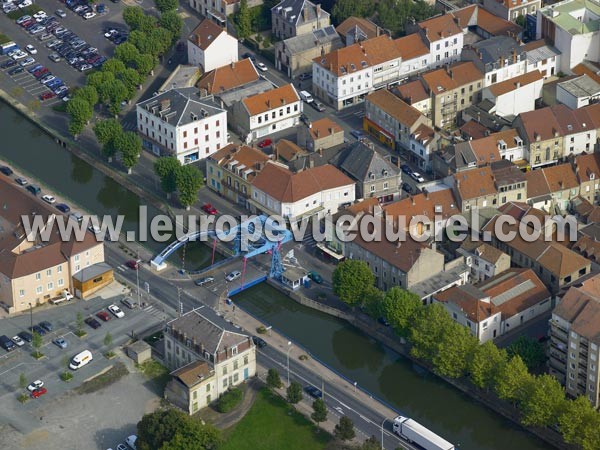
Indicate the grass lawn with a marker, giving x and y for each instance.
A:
(272, 425)
(156, 372)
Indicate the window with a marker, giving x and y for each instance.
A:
(235, 377)
(59, 269)
(49, 272)
(225, 382)
(76, 260)
(61, 282)
(50, 286)
(39, 290)
(208, 387)
(225, 370)
(245, 359)
(38, 276)
(185, 134)
(235, 365)
(21, 292)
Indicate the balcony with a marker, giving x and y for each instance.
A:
(558, 356)
(559, 335)
(559, 346)
(557, 366)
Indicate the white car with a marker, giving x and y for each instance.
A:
(17, 54)
(31, 49)
(89, 15)
(233, 275)
(48, 199)
(18, 341)
(417, 177)
(35, 385)
(25, 4)
(27, 62)
(261, 66)
(110, 33)
(131, 441)
(116, 311)
(39, 16)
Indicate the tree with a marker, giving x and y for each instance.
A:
(530, 350)
(521, 21)
(455, 349)
(145, 63)
(244, 21)
(543, 402)
(129, 145)
(107, 130)
(294, 393)
(575, 417)
(346, 8)
(76, 127)
(166, 168)
(591, 434)
(486, 361)
(88, 93)
(80, 110)
(160, 39)
(117, 93)
(189, 181)
(319, 411)
(273, 379)
(114, 65)
(370, 444)
(36, 343)
(428, 328)
(126, 52)
(79, 322)
(344, 430)
(372, 302)
(399, 308)
(133, 16)
(108, 339)
(132, 80)
(103, 82)
(166, 5)
(142, 42)
(512, 380)
(350, 278)
(22, 381)
(171, 21)
(194, 436)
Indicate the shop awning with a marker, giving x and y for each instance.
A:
(330, 252)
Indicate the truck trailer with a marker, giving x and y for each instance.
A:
(415, 433)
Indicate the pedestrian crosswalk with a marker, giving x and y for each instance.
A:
(129, 126)
(154, 311)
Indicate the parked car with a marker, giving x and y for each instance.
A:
(131, 441)
(26, 336)
(103, 315)
(406, 169)
(318, 106)
(358, 134)
(417, 177)
(6, 170)
(61, 342)
(39, 392)
(63, 207)
(93, 323)
(110, 33)
(37, 384)
(16, 70)
(204, 281)
(60, 13)
(7, 344)
(31, 49)
(48, 198)
(313, 391)
(261, 66)
(233, 275)
(8, 64)
(265, 143)
(383, 321)
(305, 76)
(46, 326)
(305, 120)
(21, 181)
(132, 264)
(27, 62)
(317, 278)
(129, 302)
(209, 209)
(35, 190)
(47, 96)
(54, 57)
(249, 55)
(259, 342)
(116, 311)
(18, 341)
(89, 15)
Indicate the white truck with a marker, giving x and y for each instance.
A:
(416, 433)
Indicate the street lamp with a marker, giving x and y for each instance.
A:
(137, 276)
(31, 316)
(288, 362)
(382, 423)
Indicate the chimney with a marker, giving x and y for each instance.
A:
(321, 151)
(457, 20)
(514, 55)
(501, 61)
(317, 133)
(330, 130)
(426, 192)
(208, 87)
(311, 163)
(318, 10)
(412, 200)
(283, 101)
(269, 103)
(233, 64)
(426, 31)
(198, 40)
(305, 13)
(518, 84)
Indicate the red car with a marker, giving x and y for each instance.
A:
(265, 143)
(103, 315)
(132, 264)
(47, 96)
(39, 392)
(209, 209)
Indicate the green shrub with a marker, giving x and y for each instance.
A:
(66, 376)
(27, 11)
(261, 330)
(229, 400)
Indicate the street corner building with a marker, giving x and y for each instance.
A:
(208, 356)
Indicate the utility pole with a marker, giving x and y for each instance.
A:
(137, 276)
(31, 317)
(179, 300)
(288, 362)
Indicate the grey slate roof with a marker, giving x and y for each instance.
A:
(363, 163)
(295, 8)
(247, 90)
(541, 53)
(307, 41)
(582, 86)
(185, 106)
(435, 283)
(497, 47)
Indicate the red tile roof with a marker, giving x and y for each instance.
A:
(440, 27)
(275, 98)
(205, 34)
(457, 75)
(228, 77)
(515, 83)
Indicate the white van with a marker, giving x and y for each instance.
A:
(81, 360)
(306, 96)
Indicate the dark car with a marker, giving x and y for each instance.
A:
(39, 330)
(305, 76)
(405, 168)
(249, 55)
(318, 106)
(120, 39)
(9, 63)
(313, 391)
(259, 342)
(209, 209)
(33, 189)
(203, 281)
(315, 277)
(63, 207)
(26, 336)
(46, 326)
(103, 315)
(358, 134)
(305, 120)
(132, 264)
(15, 70)
(6, 170)
(7, 344)
(93, 323)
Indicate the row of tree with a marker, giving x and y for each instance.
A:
(127, 144)
(453, 352)
(185, 180)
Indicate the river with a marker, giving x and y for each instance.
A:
(376, 368)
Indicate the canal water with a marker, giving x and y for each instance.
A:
(376, 368)
(387, 375)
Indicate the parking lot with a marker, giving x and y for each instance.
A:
(91, 32)
(60, 411)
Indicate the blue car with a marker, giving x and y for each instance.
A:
(39, 330)
(35, 68)
(358, 134)
(61, 342)
(63, 207)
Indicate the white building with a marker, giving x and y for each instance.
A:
(271, 111)
(500, 58)
(577, 129)
(444, 37)
(210, 46)
(573, 27)
(578, 92)
(180, 123)
(516, 95)
(512, 9)
(542, 57)
(317, 191)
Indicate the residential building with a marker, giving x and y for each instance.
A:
(587, 170)
(484, 260)
(573, 27)
(512, 9)
(210, 46)
(543, 57)
(452, 89)
(355, 29)
(483, 24)
(577, 92)
(286, 152)
(208, 356)
(573, 351)
(414, 94)
(295, 55)
(455, 273)
(444, 37)
(228, 77)
(219, 10)
(230, 171)
(589, 68)
(291, 18)
(556, 186)
(37, 268)
(320, 135)
(313, 192)
(466, 155)
(180, 123)
(510, 181)
(577, 128)
(498, 305)
(516, 95)
(500, 58)
(475, 188)
(374, 174)
(542, 134)
(266, 113)
(390, 120)
(423, 144)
